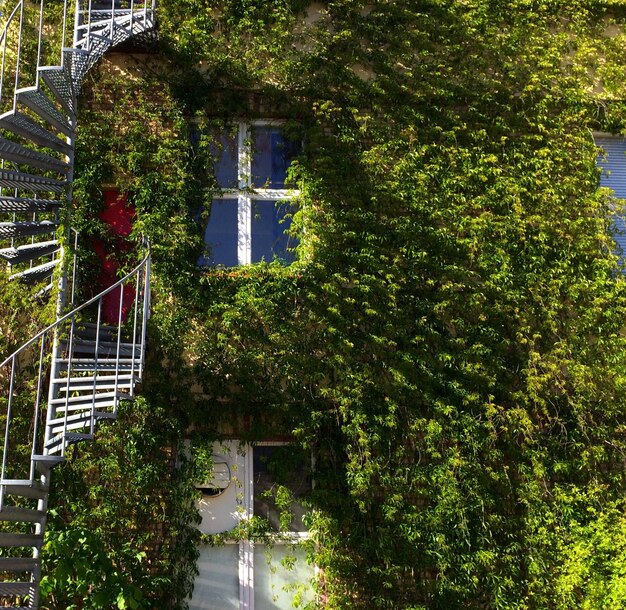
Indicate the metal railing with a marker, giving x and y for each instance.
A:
(93, 14)
(20, 60)
(24, 374)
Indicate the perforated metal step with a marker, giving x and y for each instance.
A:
(27, 128)
(86, 384)
(36, 274)
(104, 364)
(105, 348)
(16, 588)
(18, 564)
(59, 81)
(17, 540)
(24, 488)
(43, 106)
(25, 205)
(44, 463)
(31, 182)
(16, 229)
(56, 443)
(79, 421)
(18, 514)
(103, 399)
(12, 151)
(29, 252)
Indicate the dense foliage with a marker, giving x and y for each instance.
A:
(450, 343)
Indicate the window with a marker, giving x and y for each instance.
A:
(249, 575)
(250, 219)
(612, 162)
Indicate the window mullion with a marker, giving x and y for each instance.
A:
(246, 549)
(244, 204)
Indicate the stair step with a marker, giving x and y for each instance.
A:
(17, 229)
(29, 252)
(35, 99)
(100, 380)
(16, 540)
(24, 205)
(78, 421)
(18, 564)
(76, 418)
(17, 588)
(12, 151)
(30, 182)
(36, 274)
(120, 32)
(89, 364)
(87, 387)
(54, 444)
(87, 346)
(106, 333)
(96, 43)
(45, 462)
(24, 488)
(88, 399)
(24, 126)
(59, 81)
(103, 366)
(19, 514)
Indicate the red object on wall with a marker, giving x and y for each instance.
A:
(118, 214)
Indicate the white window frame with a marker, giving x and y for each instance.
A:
(245, 193)
(245, 511)
(246, 554)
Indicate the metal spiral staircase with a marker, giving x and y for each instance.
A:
(57, 386)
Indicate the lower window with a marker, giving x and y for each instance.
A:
(250, 574)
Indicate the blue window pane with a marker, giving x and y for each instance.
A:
(224, 153)
(269, 226)
(220, 237)
(612, 162)
(272, 154)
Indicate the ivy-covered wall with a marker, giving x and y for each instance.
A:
(449, 344)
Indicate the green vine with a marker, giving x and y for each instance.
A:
(449, 345)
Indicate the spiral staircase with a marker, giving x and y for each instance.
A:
(57, 386)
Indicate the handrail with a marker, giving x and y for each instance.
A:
(61, 382)
(80, 307)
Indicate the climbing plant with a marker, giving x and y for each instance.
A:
(449, 344)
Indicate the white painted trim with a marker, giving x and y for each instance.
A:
(245, 194)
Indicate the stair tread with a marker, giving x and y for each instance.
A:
(35, 99)
(28, 204)
(36, 273)
(103, 378)
(11, 484)
(27, 228)
(102, 360)
(85, 415)
(24, 126)
(29, 251)
(121, 385)
(88, 398)
(16, 540)
(30, 182)
(18, 564)
(67, 437)
(16, 588)
(89, 342)
(12, 151)
(59, 81)
(17, 513)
